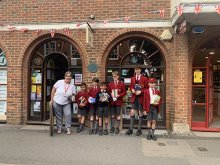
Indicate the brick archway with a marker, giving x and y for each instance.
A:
(126, 33)
(26, 56)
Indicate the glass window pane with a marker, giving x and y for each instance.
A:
(199, 113)
(199, 95)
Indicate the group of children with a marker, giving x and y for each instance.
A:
(100, 101)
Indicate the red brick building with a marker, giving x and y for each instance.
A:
(40, 40)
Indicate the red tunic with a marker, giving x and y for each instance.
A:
(143, 82)
(92, 93)
(146, 104)
(82, 96)
(121, 92)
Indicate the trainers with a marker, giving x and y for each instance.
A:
(154, 137)
(105, 132)
(80, 130)
(59, 130)
(68, 131)
(129, 132)
(117, 131)
(149, 136)
(90, 131)
(95, 131)
(112, 130)
(100, 132)
(138, 133)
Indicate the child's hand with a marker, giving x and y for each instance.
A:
(138, 92)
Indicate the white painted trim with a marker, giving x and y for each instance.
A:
(99, 25)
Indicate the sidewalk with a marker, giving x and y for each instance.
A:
(159, 133)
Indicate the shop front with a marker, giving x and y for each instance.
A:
(49, 61)
(133, 50)
(206, 86)
(199, 23)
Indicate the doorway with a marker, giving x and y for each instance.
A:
(206, 87)
(48, 64)
(55, 67)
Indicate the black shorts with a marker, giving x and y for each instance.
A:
(153, 114)
(137, 105)
(103, 112)
(93, 112)
(115, 110)
(82, 111)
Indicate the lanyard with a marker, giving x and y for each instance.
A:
(66, 87)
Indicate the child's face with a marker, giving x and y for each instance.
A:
(94, 83)
(83, 88)
(103, 87)
(137, 71)
(151, 85)
(115, 77)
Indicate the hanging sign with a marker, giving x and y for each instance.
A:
(89, 36)
(197, 76)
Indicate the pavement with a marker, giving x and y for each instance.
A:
(31, 144)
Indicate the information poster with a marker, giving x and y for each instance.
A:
(3, 76)
(3, 105)
(197, 76)
(78, 78)
(3, 92)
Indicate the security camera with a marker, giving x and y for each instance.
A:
(92, 17)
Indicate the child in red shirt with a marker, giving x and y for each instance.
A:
(82, 101)
(93, 109)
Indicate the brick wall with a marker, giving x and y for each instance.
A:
(20, 45)
(22, 11)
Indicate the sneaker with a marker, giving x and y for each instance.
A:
(139, 132)
(112, 130)
(95, 131)
(90, 131)
(68, 131)
(154, 137)
(117, 131)
(59, 130)
(129, 132)
(149, 136)
(100, 132)
(105, 132)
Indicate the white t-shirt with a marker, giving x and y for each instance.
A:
(63, 91)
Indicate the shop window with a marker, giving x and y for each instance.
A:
(3, 86)
(49, 47)
(130, 53)
(115, 53)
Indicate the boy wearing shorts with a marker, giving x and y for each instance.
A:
(118, 91)
(152, 101)
(103, 100)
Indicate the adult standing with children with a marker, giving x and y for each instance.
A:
(61, 98)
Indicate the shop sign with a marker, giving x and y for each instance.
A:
(3, 61)
(3, 76)
(89, 36)
(198, 30)
(197, 76)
